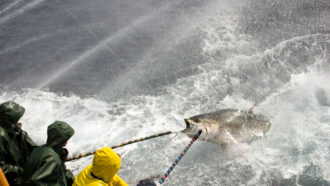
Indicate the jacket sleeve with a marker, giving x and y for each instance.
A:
(117, 181)
(11, 169)
(7, 169)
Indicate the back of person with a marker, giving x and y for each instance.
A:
(103, 171)
(45, 166)
(15, 144)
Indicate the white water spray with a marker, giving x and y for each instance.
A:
(20, 11)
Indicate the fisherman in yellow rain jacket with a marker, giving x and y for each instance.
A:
(103, 171)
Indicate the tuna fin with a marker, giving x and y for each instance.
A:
(252, 108)
(224, 146)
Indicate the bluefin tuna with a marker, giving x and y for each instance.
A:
(228, 126)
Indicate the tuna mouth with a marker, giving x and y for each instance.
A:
(187, 121)
(188, 125)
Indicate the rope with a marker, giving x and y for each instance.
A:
(162, 179)
(120, 145)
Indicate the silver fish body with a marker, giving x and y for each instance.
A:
(228, 126)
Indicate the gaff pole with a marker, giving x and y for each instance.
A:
(120, 145)
(162, 179)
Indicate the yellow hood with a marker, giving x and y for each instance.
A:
(106, 164)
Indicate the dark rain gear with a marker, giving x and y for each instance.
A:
(15, 144)
(45, 166)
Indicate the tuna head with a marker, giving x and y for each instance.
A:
(194, 124)
(191, 128)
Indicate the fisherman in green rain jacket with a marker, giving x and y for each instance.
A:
(45, 166)
(15, 144)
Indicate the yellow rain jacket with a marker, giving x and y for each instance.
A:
(103, 171)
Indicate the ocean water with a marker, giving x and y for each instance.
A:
(121, 70)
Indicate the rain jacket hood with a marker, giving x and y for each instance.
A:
(103, 171)
(10, 113)
(106, 164)
(58, 133)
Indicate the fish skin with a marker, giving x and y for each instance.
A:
(228, 126)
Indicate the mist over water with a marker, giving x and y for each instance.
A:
(120, 70)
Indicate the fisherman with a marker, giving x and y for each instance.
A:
(15, 144)
(103, 170)
(45, 166)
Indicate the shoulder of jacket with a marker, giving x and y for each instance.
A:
(24, 133)
(86, 179)
(116, 180)
(95, 183)
(98, 183)
(45, 152)
(27, 138)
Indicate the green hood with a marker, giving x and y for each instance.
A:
(10, 113)
(58, 133)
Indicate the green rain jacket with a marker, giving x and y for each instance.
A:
(45, 166)
(15, 144)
